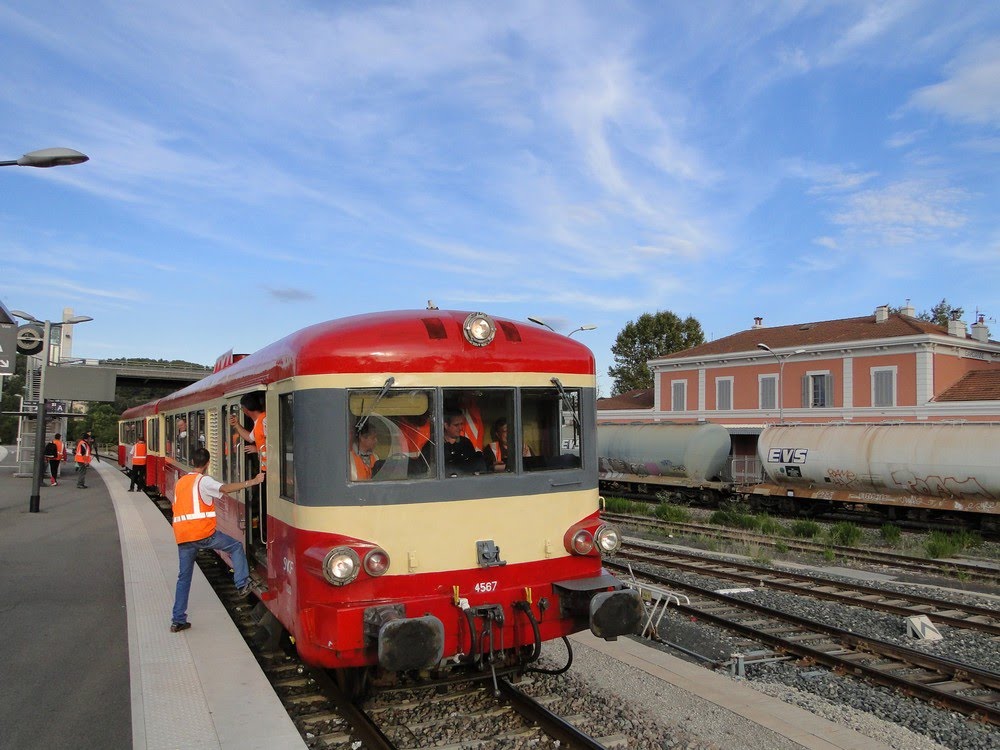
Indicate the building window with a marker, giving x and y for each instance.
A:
(883, 386)
(678, 395)
(768, 391)
(723, 394)
(817, 390)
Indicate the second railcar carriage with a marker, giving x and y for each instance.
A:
(377, 541)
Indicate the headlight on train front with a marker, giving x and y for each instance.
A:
(608, 539)
(479, 329)
(341, 565)
(376, 562)
(582, 542)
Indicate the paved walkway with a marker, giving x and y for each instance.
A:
(87, 656)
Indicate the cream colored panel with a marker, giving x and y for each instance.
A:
(436, 537)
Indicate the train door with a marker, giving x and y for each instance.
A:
(244, 464)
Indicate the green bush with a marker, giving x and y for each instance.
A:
(674, 513)
(770, 526)
(891, 533)
(943, 544)
(845, 534)
(806, 529)
(621, 505)
(829, 555)
(734, 519)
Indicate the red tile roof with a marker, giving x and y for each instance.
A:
(978, 385)
(637, 399)
(809, 334)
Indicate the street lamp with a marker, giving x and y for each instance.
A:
(541, 322)
(36, 477)
(781, 369)
(47, 157)
(581, 328)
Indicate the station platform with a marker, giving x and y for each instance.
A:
(88, 659)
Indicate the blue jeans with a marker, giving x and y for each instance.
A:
(187, 551)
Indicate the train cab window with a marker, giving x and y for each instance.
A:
(390, 435)
(196, 430)
(286, 446)
(551, 424)
(233, 443)
(180, 437)
(485, 418)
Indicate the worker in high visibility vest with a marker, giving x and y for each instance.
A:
(137, 454)
(82, 458)
(194, 529)
(363, 455)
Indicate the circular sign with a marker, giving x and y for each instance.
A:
(29, 340)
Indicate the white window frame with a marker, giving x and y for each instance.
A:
(893, 370)
(828, 397)
(761, 380)
(673, 395)
(718, 392)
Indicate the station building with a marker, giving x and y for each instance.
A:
(885, 367)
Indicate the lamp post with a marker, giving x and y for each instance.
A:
(781, 370)
(541, 322)
(36, 476)
(47, 157)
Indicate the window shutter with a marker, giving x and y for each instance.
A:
(806, 395)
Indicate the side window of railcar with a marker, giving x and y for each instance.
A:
(551, 428)
(168, 436)
(196, 430)
(391, 437)
(233, 443)
(180, 437)
(287, 446)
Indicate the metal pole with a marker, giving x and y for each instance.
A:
(36, 479)
(781, 372)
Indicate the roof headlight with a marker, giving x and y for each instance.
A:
(341, 566)
(609, 539)
(479, 329)
(376, 562)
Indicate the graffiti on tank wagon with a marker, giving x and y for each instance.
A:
(841, 477)
(939, 486)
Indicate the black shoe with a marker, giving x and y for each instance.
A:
(130, 490)
(176, 627)
(82, 487)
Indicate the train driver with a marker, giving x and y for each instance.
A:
(363, 455)
(460, 456)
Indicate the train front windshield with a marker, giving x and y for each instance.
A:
(398, 434)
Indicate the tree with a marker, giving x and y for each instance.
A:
(940, 314)
(651, 335)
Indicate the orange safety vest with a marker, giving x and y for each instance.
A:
(416, 436)
(60, 450)
(495, 447)
(259, 439)
(194, 519)
(139, 456)
(362, 471)
(82, 452)
(473, 427)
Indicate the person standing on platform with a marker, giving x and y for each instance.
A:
(83, 452)
(60, 453)
(194, 529)
(137, 477)
(52, 456)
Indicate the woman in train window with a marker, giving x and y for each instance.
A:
(496, 453)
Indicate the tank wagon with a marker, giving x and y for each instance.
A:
(690, 461)
(390, 558)
(918, 471)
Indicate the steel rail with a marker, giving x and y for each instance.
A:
(770, 578)
(552, 724)
(955, 671)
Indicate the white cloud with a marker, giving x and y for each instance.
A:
(828, 178)
(827, 242)
(971, 93)
(904, 212)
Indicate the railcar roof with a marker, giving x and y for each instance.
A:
(407, 341)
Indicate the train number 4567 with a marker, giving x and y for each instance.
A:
(485, 587)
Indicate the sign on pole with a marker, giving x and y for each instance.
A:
(8, 348)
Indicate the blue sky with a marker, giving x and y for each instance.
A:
(257, 167)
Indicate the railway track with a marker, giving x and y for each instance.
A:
(951, 568)
(952, 614)
(959, 687)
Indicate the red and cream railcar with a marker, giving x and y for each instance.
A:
(141, 421)
(426, 560)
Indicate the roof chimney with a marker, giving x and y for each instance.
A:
(908, 310)
(981, 331)
(758, 323)
(881, 313)
(956, 327)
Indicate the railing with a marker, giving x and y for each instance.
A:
(746, 470)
